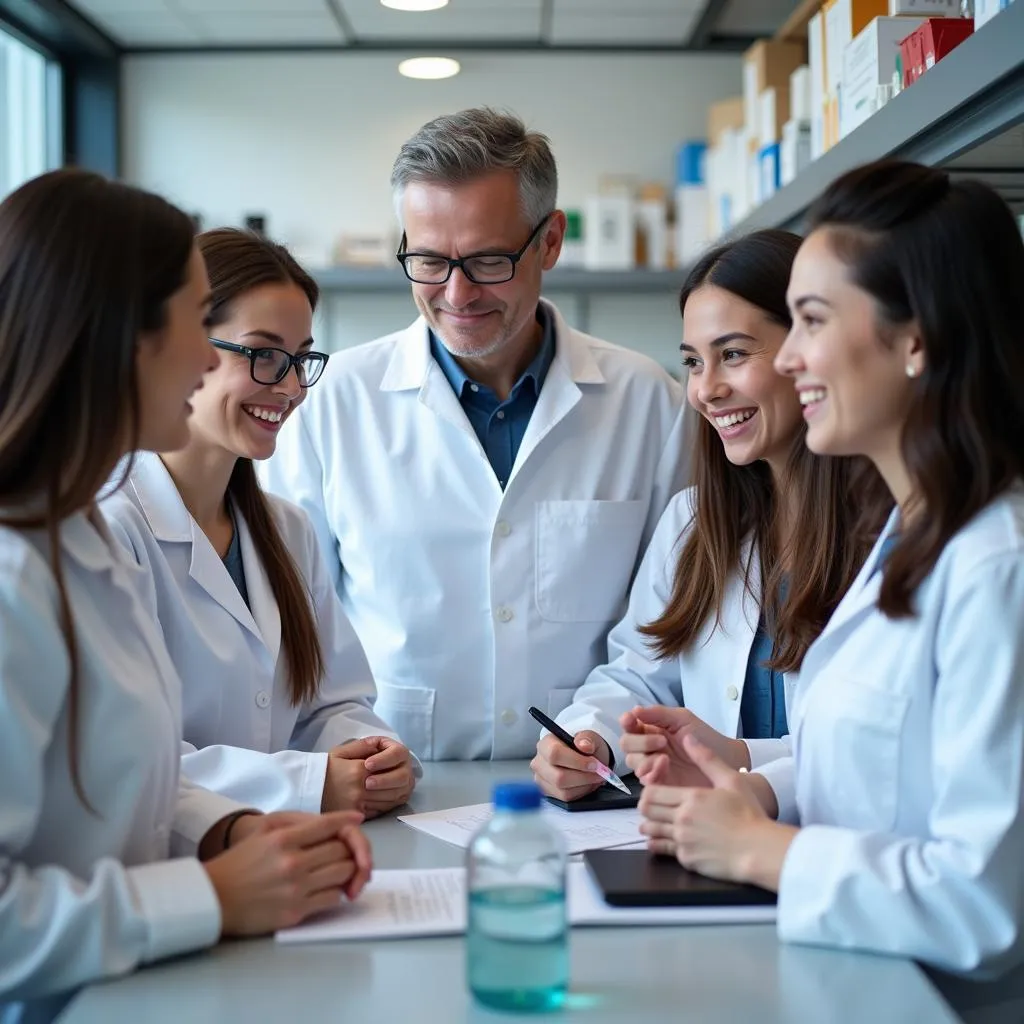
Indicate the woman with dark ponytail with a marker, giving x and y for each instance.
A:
(278, 697)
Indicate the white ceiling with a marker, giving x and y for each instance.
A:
(241, 23)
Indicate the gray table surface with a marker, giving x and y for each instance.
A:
(699, 974)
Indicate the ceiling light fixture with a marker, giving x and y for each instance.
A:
(415, 5)
(429, 67)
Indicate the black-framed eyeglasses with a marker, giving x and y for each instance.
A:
(487, 268)
(270, 365)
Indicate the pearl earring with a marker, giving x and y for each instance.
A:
(911, 372)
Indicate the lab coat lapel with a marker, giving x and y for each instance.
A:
(573, 365)
(412, 367)
(263, 604)
(742, 606)
(171, 522)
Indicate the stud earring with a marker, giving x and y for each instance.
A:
(911, 372)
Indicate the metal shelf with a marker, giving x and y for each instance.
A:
(384, 279)
(963, 115)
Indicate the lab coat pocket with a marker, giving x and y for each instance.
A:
(863, 752)
(409, 710)
(586, 553)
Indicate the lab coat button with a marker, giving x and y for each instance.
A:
(504, 614)
(732, 693)
(502, 529)
(262, 699)
(509, 717)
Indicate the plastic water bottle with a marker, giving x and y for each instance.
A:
(517, 942)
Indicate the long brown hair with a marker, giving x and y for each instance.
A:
(86, 268)
(735, 504)
(948, 256)
(237, 262)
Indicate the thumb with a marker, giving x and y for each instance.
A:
(585, 741)
(716, 771)
(663, 717)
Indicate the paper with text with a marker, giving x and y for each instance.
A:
(394, 904)
(582, 830)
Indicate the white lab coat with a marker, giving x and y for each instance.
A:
(708, 678)
(243, 736)
(909, 753)
(83, 895)
(473, 603)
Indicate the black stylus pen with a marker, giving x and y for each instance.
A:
(559, 733)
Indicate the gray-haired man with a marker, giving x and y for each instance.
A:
(485, 481)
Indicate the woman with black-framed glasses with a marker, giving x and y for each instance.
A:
(278, 697)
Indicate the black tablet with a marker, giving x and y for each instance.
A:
(636, 878)
(607, 798)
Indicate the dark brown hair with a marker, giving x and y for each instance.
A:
(945, 256)
(86, 268)
(237, 262)
(733, 504)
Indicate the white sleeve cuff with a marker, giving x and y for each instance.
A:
(763, 751)
(780, 775)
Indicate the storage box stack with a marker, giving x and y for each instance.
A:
(724, 163)
(795, 147)
(767, 67)
(869, 63)
(844, 20)
(691, 201)
(986, 10)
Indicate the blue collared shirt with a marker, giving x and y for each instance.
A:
(501, 426)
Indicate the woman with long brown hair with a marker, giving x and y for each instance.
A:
(278, 697)
(102, 343)
(729, 595)
(908, 349)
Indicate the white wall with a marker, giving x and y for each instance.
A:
(309, 139)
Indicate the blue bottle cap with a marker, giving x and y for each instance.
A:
(516, 796)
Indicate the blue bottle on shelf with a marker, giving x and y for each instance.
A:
(517, 940)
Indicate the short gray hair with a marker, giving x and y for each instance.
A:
(457, 148)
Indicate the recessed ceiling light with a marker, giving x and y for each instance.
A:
(429, 67)
(415, 5)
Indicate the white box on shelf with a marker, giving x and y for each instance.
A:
(768, 117)
(609, 240)
(800, 98)
(925, 8)
(986, 10)
(768, 168)
(794, 151)
(691, 222)
(816, 63)
(869, 62)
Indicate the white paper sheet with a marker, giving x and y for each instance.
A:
(581, 830)
(394, 904)
(410, 904)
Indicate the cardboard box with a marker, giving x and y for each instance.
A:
(690, 162)
(794, 150)
(768, 64)
(609, 239)
(723, 115)
(870, 61)
(986, 10)
(691, 222)
(800, 107)
(844, 19)
(940, 36)
(925, 8)
(768, 171)
(773, 113)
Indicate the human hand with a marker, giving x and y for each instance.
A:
(391, 779)
(721, 831)
(281, 868)
(345, 779)
(562, 773)
(652, 739)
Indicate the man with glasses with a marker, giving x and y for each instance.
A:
(488, 478)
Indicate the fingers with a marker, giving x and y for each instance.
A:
(394, 778)
(558, 755)
(663, 717)
(320, 828)
(361, 851)
(643, 742)
(391, 754)
(661, 796)
(718, 773)
(357, 749)
(333, 877)
(564, 783)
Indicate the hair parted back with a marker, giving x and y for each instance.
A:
(946, 256)
(456, 148)
(86, 268)
(841, 502)
(238, 262)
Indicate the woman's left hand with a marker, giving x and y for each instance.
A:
(391, 779)
(722, 831)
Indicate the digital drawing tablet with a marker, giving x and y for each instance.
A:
(637, 878)
(607, 798)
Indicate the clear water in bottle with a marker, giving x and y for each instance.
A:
(517, 943)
